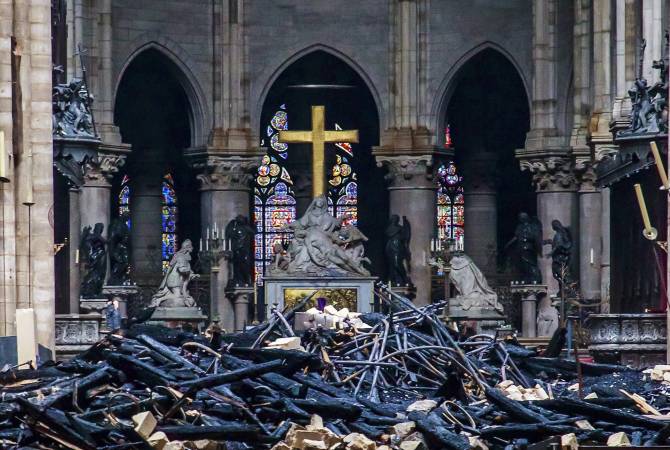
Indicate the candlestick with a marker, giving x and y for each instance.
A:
(3, 159)
(200, 244)
(76, 256)
(649, 232)
(659, 165)
(208, 233)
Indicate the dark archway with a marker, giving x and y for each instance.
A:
(154, 115)
(321, 78)
(488, 117)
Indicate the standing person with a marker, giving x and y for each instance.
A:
(113, 316)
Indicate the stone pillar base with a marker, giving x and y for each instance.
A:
(529, 293)
(241, 297)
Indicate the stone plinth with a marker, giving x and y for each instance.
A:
(76, 332)
(638, 340)
(486, 320)
(174, 317)
(241, 297)
(93, 305)
(276, 287)
(529, 293)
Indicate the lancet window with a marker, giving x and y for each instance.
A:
(450, 204)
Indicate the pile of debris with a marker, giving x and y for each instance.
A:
(406, 382)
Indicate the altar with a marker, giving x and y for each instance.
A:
(353, 292)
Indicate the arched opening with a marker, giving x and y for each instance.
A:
(154, 115)
(283, 183)
(485, 120)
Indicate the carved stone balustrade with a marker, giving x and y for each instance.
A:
(638, 340)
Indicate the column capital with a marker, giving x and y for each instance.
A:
(225, 172)
(551, 173)
(407, 170)
(99, 169)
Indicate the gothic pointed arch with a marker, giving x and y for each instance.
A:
(380, 105)
(450, 81)
(177, 63)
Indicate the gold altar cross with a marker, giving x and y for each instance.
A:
(318, 136)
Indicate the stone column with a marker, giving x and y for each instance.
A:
(145, 216)
(605, 261)
(94, 197)
(412, 194)
(73, 248)
(481, 214)
(590, 242)
(224, 194)
(557, 199)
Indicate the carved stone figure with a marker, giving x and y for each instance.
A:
(473, 289)
(173, 290)
(397, 250)
(649, 111)
(241, 236)
(119, 252)
(93, 252)
(71, 106)
(547, 316)
(527, 242)
(280, 257)
(561, 252)
(321, 246)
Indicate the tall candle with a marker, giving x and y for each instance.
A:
(3, 159)
(659, 165)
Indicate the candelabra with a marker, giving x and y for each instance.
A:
(440, 253)
(213, 248)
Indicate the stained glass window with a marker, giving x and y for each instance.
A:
(124, 199)
(169, 215)
(343, 189)
(450, 204)
(274, 202)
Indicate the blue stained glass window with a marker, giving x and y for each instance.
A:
(124, 199)
(450, 204)
(169, 215)
(343, 187)
(274, 203)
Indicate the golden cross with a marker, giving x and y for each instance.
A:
(318, 136)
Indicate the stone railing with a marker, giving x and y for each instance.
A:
(638, 340)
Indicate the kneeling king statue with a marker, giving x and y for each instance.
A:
(173, 290)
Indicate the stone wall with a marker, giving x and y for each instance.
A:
(27, 276)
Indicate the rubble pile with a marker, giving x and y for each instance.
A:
(406, 381)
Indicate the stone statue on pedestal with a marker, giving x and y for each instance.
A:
(561, 252)
(527, 241)
(474, 291)
(173, 290)
(241, 237)
(94, 261)
(119, 252)
(321, 246)
(397, 250)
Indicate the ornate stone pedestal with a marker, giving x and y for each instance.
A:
(276, 289)
(528, 294)
(93, 305)
(174, 317)
(75, 333)
(486, 320)
(241, 297)
(122, 294)
(638, 340)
